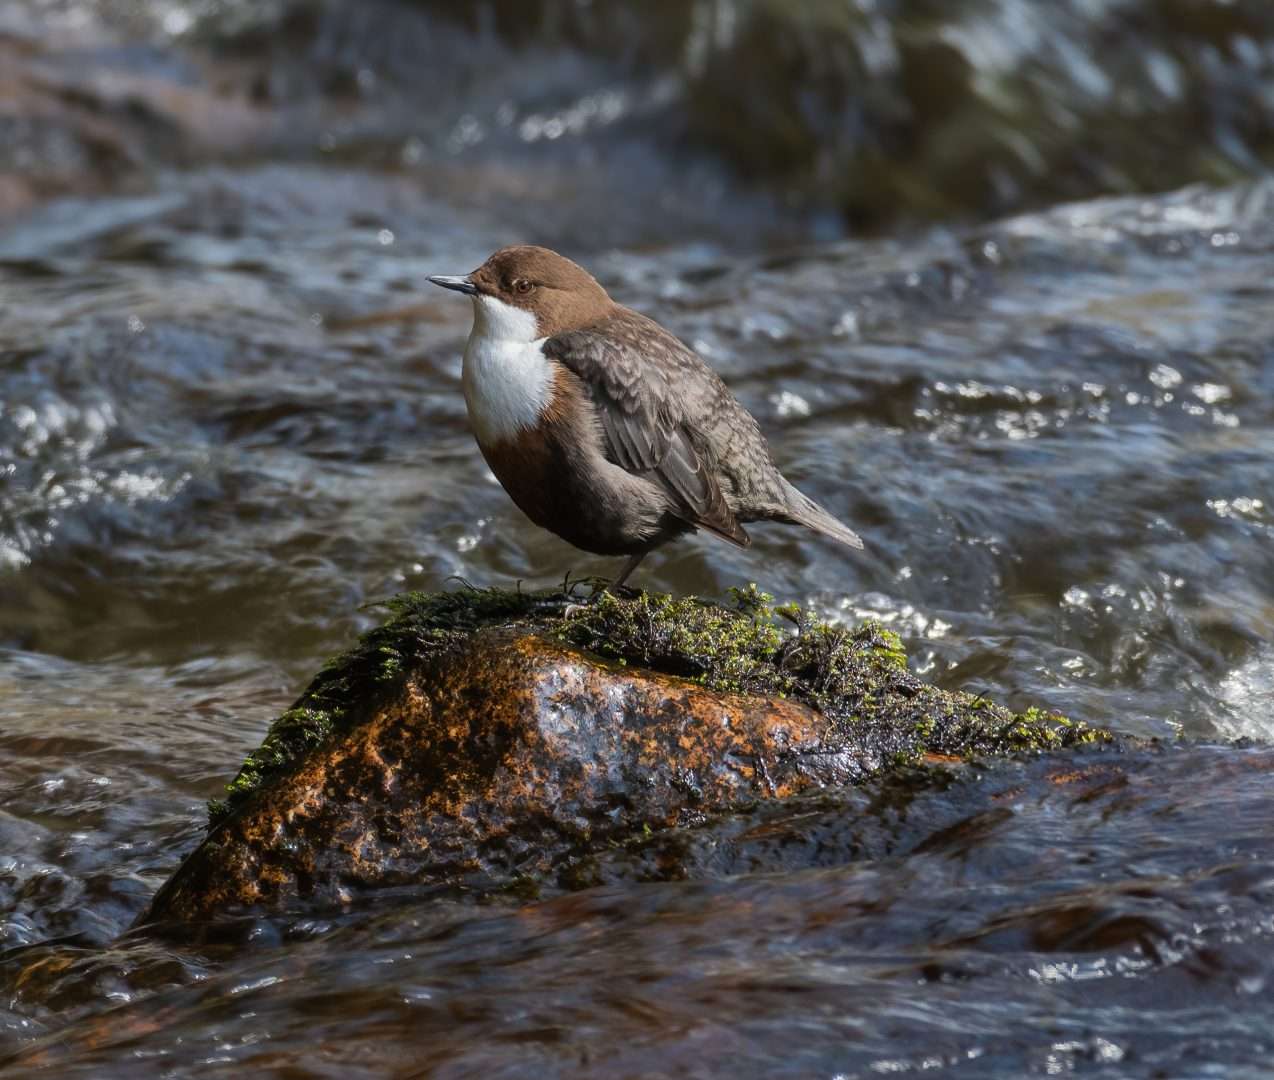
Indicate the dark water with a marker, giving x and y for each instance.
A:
(1055, 432)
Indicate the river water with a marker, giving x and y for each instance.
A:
(1053, 424)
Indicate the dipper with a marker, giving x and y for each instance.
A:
(602, 426)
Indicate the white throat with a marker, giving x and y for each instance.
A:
(507, 379)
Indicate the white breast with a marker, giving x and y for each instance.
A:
(507, 379)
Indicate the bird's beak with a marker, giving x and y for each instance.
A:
(460, 284)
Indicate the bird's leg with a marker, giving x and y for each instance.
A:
(633, 562)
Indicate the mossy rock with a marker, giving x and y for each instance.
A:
(490, 738)
(856, 675)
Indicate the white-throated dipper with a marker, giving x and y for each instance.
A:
(602, 426)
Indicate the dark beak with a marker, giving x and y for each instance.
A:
(460, 284)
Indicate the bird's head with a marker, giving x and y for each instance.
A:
(527, 292)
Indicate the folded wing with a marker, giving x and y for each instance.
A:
(638, 374)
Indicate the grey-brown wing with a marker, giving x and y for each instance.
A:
(636, 373)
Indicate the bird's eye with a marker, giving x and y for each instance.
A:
(522, 286)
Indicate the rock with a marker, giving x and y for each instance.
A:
(495, 740)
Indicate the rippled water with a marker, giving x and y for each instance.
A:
(1055, 433)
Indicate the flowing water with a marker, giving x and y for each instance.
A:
(1055, 432)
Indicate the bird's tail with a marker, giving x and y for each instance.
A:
(805, 511)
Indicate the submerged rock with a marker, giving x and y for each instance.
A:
(495, 739)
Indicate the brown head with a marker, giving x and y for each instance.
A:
(560, 294)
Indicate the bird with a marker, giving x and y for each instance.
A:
(605, 428)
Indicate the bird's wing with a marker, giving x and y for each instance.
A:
(639, 375)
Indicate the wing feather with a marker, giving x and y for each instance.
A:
(631, 367)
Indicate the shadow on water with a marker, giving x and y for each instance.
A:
(1054, 431)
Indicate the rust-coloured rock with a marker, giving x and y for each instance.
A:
(489, 739)
(499, 762)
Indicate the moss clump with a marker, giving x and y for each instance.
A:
(740, 649)
(857, 676)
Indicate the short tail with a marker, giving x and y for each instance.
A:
(805, 511)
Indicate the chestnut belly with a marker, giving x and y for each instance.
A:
(584, 499)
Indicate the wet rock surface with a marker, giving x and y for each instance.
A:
(467, 742)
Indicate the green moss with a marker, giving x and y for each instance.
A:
(857, 676)
(730, 650)
(301, 727)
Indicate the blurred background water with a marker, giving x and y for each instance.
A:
(998, 280)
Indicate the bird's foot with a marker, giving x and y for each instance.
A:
(597, 587)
